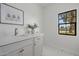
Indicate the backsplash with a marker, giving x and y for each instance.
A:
(6, 30)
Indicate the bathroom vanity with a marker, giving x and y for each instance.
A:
(30, 45)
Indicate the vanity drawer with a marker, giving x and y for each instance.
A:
(38, 41)
(15, 46)
(23, 51)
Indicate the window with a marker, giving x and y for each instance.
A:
(67, 22)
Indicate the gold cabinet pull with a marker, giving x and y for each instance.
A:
(21, 50)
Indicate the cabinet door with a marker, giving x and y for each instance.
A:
(13, 53)
(38, 46)
(28, 50)
(38, 51)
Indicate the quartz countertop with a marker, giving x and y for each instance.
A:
(14, 39)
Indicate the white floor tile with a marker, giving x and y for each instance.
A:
(54, 52)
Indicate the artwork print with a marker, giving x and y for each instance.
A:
(11, 15)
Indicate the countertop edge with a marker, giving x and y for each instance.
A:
(23, 38)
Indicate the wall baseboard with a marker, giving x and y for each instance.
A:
(64, 50)
(74, 53)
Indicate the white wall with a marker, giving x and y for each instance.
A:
(32, 13)
(50, 28)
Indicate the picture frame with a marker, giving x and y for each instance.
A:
(67, 23)
(11, 15)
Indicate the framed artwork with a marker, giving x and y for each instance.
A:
(67, 22)
(11, 15)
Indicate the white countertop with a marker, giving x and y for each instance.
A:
(14, 39)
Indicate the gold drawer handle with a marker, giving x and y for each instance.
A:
(21, 50)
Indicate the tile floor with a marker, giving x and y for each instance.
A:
(48, 51)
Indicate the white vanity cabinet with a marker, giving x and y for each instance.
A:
(38, 46)
(28, 51)
(22, 48)
(25, 51)
(31, 46)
